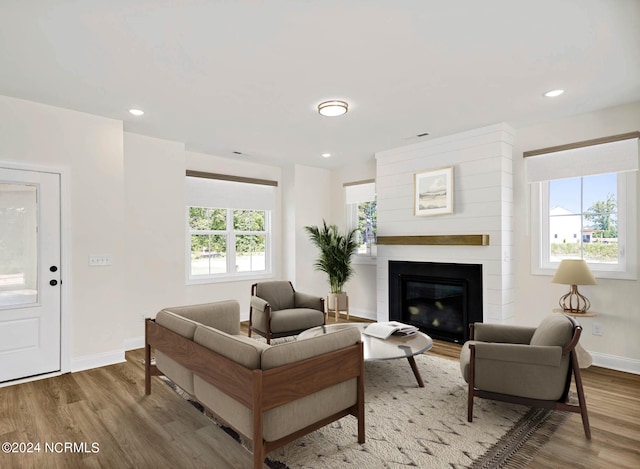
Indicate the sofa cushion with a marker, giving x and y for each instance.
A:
(176, 372)
(279, 294)
(177, 323)
(296, 319)
(554, 330)
(241, 349)
(222, 315)
(290, 352)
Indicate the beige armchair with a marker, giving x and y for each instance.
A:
(277, 310)
(525, 365)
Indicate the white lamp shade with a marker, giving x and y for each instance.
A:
(574, 272)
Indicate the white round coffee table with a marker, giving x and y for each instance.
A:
(393, 348)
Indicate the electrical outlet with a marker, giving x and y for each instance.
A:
(596, 329)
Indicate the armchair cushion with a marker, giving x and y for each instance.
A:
(279, 294)
(553, 330)
(295, 319)
(506, 333)
(516, 369)
(304, 300)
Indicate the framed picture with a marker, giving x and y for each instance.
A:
(433, 192)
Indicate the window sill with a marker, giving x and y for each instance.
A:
(364, 260)
(228, 278)
(598, 274)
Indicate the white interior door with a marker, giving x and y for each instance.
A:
(29, 273)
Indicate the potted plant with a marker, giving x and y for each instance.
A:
(336, 250)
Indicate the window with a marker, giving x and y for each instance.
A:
(580, 210)
(362, 215)
(582, 218)
(229, 227)
(227, 241)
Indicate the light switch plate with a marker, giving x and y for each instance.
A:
(96, 260)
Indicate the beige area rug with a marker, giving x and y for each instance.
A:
(408, 426)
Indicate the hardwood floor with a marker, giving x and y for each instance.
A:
(106, 406)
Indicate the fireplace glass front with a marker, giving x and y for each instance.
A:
(441, 299)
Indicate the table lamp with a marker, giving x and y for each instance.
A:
(574, 272)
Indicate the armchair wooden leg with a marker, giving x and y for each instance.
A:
(472, 359)
(581, 400)
(147, 369)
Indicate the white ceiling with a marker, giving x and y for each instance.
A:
(225, 76)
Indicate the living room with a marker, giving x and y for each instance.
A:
(123, 194)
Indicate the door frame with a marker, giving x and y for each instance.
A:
(65, 263)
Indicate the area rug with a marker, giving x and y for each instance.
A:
(408, 426)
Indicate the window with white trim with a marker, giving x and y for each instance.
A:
(583, 207)
(229, 228)
(362, 215)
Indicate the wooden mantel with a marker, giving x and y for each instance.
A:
(436, 240)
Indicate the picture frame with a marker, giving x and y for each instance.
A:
(433, 192)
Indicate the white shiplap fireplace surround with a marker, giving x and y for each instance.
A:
(483, 205)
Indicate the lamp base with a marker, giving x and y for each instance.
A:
(574, 302)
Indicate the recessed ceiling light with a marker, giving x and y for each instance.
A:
(136, 112)
(333, 108)
(326, 155)
(553, 93)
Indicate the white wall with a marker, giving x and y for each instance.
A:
(481, 159)
(616, 301)
(311, 199)
(361, 288)
(89, 151)
(155, 212)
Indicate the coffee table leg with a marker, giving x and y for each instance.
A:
(416, 372)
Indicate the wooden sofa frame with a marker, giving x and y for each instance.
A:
(261, 390)
(560, 404)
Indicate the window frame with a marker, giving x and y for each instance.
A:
(627, 239)
(230, 232)
(351, 210)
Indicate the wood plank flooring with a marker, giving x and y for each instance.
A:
(107, 406)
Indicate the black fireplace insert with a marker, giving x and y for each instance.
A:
(442, 299)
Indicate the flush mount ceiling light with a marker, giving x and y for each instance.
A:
(136, 112)
(333, 108)
(553, 93)
(326, 155)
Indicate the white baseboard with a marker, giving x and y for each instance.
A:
(361, 313)
(616, 363)
(133, 343)
(96, 361)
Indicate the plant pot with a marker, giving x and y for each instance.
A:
(342, 299)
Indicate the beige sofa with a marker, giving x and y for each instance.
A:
(270, 394)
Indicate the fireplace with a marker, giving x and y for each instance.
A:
(441, 299)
